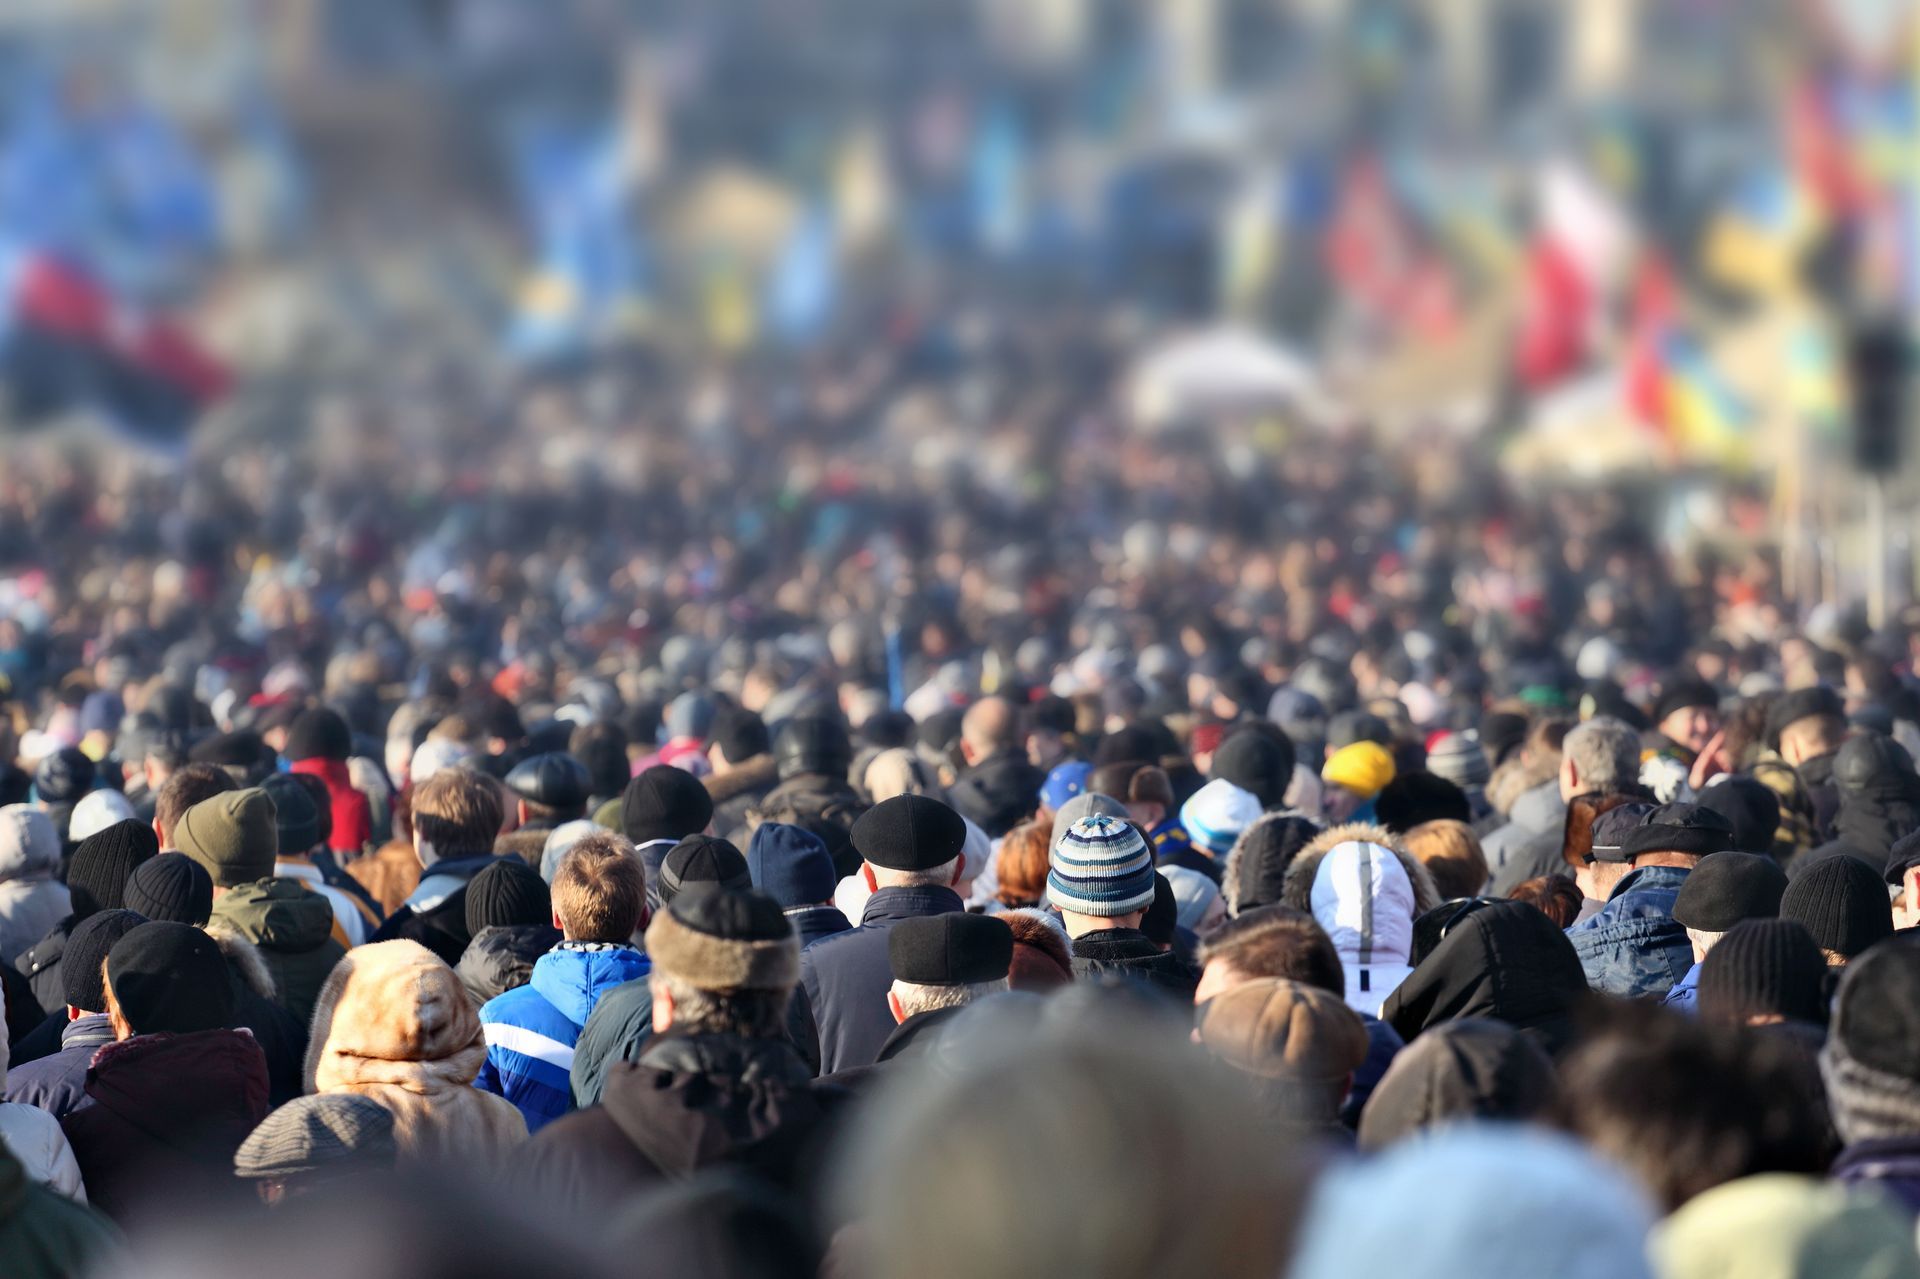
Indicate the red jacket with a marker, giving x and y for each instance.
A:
(352, 816)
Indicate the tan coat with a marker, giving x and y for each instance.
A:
(393, 1023)
(389, 873)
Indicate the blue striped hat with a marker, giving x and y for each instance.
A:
(1101, 867)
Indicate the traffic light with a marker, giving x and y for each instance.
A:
(1877, 359)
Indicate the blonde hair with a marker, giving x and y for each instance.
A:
(458, 812)
(600, 889)
(1451, 853)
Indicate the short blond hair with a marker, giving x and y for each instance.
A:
(458, 812)
(600, 889)
(1452, 855)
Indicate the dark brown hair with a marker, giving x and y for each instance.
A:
(189, 784)
(1277, 941)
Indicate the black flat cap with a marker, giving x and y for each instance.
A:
(909, 832)
(1679, 828)
(1802, 703)
(1872, 761)
(955, 949)
(703, 860)
(1683, 691)
(1726, 888)
(553, 780)
(664, 803)
(1611, 828)
(1904, 853)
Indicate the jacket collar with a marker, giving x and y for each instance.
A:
(90, 1031)
(917, 1035)
(910, 903)
(731, 1056)
(1115, 943)
(1647, 878)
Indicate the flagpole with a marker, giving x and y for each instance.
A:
(1876, 557)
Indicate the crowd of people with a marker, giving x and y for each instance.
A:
(719, 823)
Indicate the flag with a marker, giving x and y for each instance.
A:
(1671, 384)
(803, 286)
(574, 188)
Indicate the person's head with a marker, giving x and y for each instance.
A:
(791, 864)
(1763, 971)
(507, 893)
(1785, 1227)
(1677, 835)
(1258, 757)
(807, 746)
(910, 841)
(1747, 804)
(1601, 754)
(189, 785)
(1674, 1100)
(98, 874)
(83, 963)
(1687, 712)
(600, 891)
(1299, 1045)
(739, 735)
(1451, 853)
(1216, 814)
(898, 771)
(296, 815)
(1041, 960)
(946, 961)
(1806, 724)
(235, 836)
(1843, 902)
(1470, 1069)
(1354, 775)
(1724, 889)
(96, 811)
(698, 862)
(1023, 864)
(990, 726)
(29, 843)
(549, 789)
(1903, 877)
(1273, 941)
(1197, 902)
(174, 889)
(456, 813)
(166, 978)
(317, 1141)
(1100, 876)
(1555, 896)
(602, 747)
(319, 733)
(664, 803)
(1256, 871)
(1871, 1062)
(1050, 731)
(724, 962)
(1415, 798)
(1461, 759)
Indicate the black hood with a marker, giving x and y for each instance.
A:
(1506, 961)
(1466, 1069)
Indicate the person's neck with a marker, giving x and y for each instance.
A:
(1680, 861)
(1080, 925)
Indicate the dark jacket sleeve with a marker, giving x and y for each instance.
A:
(618, 1025)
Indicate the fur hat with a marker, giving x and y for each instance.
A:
(725, 941)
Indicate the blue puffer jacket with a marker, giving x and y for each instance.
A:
(1634, 947)
(531, 1031)
(1686, 993)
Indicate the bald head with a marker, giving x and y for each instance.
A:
(989, 726)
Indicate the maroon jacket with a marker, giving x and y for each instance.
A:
(168, 1113)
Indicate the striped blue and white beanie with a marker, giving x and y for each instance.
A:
(1101, 867)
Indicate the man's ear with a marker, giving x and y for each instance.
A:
(557, 925)
(866, 872)
(899, 1009)
(158, 834)
(959, 869)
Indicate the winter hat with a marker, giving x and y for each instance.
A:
(1161, 922)
(63, 777)
(1871, 1062)
(1063, 783)
(235, 836)
(319, 733)
(1217, 813)
(951, 949)
(1349, 727)
(1041, 961)
(1460, 759)
(1678, 828)
(689, 715)
(1473, 1068)
(1193, 894)
(97, 876)
(1726, 888)
(1843, 902)
(1272, 1028)
(28, 841)
(703, 860)
(1869, 762)
(1803, 703)
(296, 818)
(1257, 759)
(1362, 767)
(96, 811)
(1749, 807)
(1101, 867)
(1781, 1226)
(87, 947)
(741, 735)
(1682, 692)
(791, 865)
(813, 744)
(554, 779)
(326, 1135)
(909, 832)
(435, 754)
(172, 889)
(1091, 804)
(508, 893)
(1413, 798)
(560, 842)
(1256, 869)
(664, 802)
(1764, 967)
(170, 978)
(1556, 1208)
(725, 941)
(1365, 899)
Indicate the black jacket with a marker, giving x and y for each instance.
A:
(1126, 954)
(826, 805)
(438, 921)
(690, 1103)
(40, 965)
(737, 792)
(1469, 1068)
(1868, 824)
(500, 958)
(811, 923)
(845, 979)
(998, 793)
(1506, 961)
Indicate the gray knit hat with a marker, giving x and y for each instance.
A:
(330, 1133)
(1460, 759)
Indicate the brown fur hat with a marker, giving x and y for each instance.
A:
(723, 940)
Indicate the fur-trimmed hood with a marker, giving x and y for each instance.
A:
(394, 1013)
(1255, 873)
(244, 957)
(1367, 903)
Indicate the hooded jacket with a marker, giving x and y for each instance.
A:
(258, 1011)
(293, 930)
(846, 977)
(393, 1023)
(167, 1113)
(500, 958)
(1538, 813)
(689, 1104)
(32, 901)
(1634, 947)
(352, 815)
(1465, 1069)
(35, 1139)
(736, 792)
(1366, 890)
(1127, 954)
(531, 1031)
(42, 1234)
(1505, 961)
(1877, 808)
(998, 793)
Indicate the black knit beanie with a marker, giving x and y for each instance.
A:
(702, 859)
(170, 978)
(1761, 968)
(664, 803)
(319, 734)
(87, 947)
(506, 894)
(105, 860)
(175, 889)
(1843, 902)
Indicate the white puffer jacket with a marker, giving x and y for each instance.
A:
(32, 901)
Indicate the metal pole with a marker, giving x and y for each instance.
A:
(1876, 556)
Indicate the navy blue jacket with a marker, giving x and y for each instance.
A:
(846, 977)
(1889, 1164)
(1634, 947)
(811, 923)
(58, 1084)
